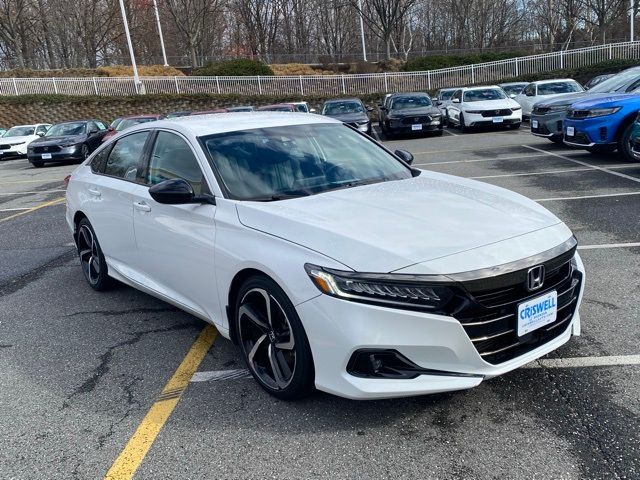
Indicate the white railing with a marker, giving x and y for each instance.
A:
(300, 86)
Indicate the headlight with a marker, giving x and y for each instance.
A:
(558, 108)
(515, 109)
(67, 145)
(393, 290)
(601, 112)
(16, 144)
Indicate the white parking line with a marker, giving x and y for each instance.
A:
(469, 149)
(13, 209)
(451, 133)
(216, 375)
(609, 245)
(547, 172)
(579, 162)
(474, 160)
(375, 133)
(583, 197)
(574, 362)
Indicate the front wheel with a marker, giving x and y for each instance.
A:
(624, 143)
(514, 126)
(84, 151)
(272, 339)
(463, 126)
(557, 140)
(38, 164)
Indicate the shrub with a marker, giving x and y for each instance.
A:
(298, 69)
(444, 61)
(232, 68)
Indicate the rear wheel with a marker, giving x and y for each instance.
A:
(624, 143)
(272, 339)
(84, 151)
(92, 260)
(38, 164)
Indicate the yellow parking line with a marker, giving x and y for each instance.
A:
(136, 449)
(33, 209)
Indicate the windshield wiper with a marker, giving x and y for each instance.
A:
(278, 196)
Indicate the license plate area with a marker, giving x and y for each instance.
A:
(416, 126)
(534, 123)
(46, 156)
(571, 131)
(537, 312)
(497, 120)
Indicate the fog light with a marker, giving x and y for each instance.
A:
(603, 133)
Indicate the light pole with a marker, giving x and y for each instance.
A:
(164, 53)
(136, 78)
(364, 47)
(631, 19)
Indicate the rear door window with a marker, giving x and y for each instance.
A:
(126, 154)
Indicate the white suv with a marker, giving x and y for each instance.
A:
(14, 143)
(482, 106)
(544, 90)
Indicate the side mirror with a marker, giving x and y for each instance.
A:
(405, 156)
(111, 129)
(40, 134)
(455, 100)
(435, 99)
(178, 191)
(312, 110)
(529, 94)
(369, 109)
(93, 131)
(512, 96)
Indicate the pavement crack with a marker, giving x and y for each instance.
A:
(115, 312)
(18, 283)
(105, 359)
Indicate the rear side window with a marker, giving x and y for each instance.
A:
(124, 159)
(172, 157)
(100, 160)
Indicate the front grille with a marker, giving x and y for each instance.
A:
(417, 119)
(577, 114)
(5, 147)
(497, 113)
(46, 149)
(579, 138)
(489, 316)
(540, 110)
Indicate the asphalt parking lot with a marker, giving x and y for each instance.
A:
(84, 375)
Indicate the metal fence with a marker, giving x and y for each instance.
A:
(309, 85)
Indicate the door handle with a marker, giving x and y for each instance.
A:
(95, 192)
(142, 206)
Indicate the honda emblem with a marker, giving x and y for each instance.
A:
(535, 278)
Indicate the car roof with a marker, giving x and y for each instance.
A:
(400, 94)
(553, 80)
(200, 125)
(346, 99)
(512, 83)
(150, 115)
(480, 87)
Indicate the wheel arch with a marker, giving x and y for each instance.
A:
(77, 217)
(626, 121)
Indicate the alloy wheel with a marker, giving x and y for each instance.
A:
(84, 151)
(267, 339)
(89, 254)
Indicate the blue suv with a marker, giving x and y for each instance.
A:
(602, 124)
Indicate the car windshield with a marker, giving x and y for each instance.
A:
(302, 107)
(340, 108)
(514, 89)
(275, 163)
(413, 101)
(66, 129)
(130, 122)
(484, 94)
(281, 108)
(626, 81)
(446, 95)
(19, 131)
(555, 88)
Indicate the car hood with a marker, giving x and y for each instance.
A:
(388, 226)
(410, 112)
(491, 104)
(607, 100)
(19, 139)
(351, 117)
(569, 98)
(61, 139)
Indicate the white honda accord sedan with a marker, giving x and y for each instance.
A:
(328, 259)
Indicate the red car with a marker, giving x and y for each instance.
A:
(280, 107)
(127, 122)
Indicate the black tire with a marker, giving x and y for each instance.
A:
(556, 140)
(38, 164)
(84, 152)
(448, 123)
(438, 133)
(514, 126)
(463, 127)
(624, 144)
(276, 351)
(94, 266)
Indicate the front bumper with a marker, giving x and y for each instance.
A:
(477, 120)
(63, 155)
(547, 126)
(337, 328)
(398, 126)
(15, 151)
(588, 133)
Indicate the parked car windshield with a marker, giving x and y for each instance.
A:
(66, 129)
(19, 131)
(558, 87)
(340, 108)
(413, 101)
(626, 81)
(514, 89)
(130, 122)
(274, 163)
(483, 94)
